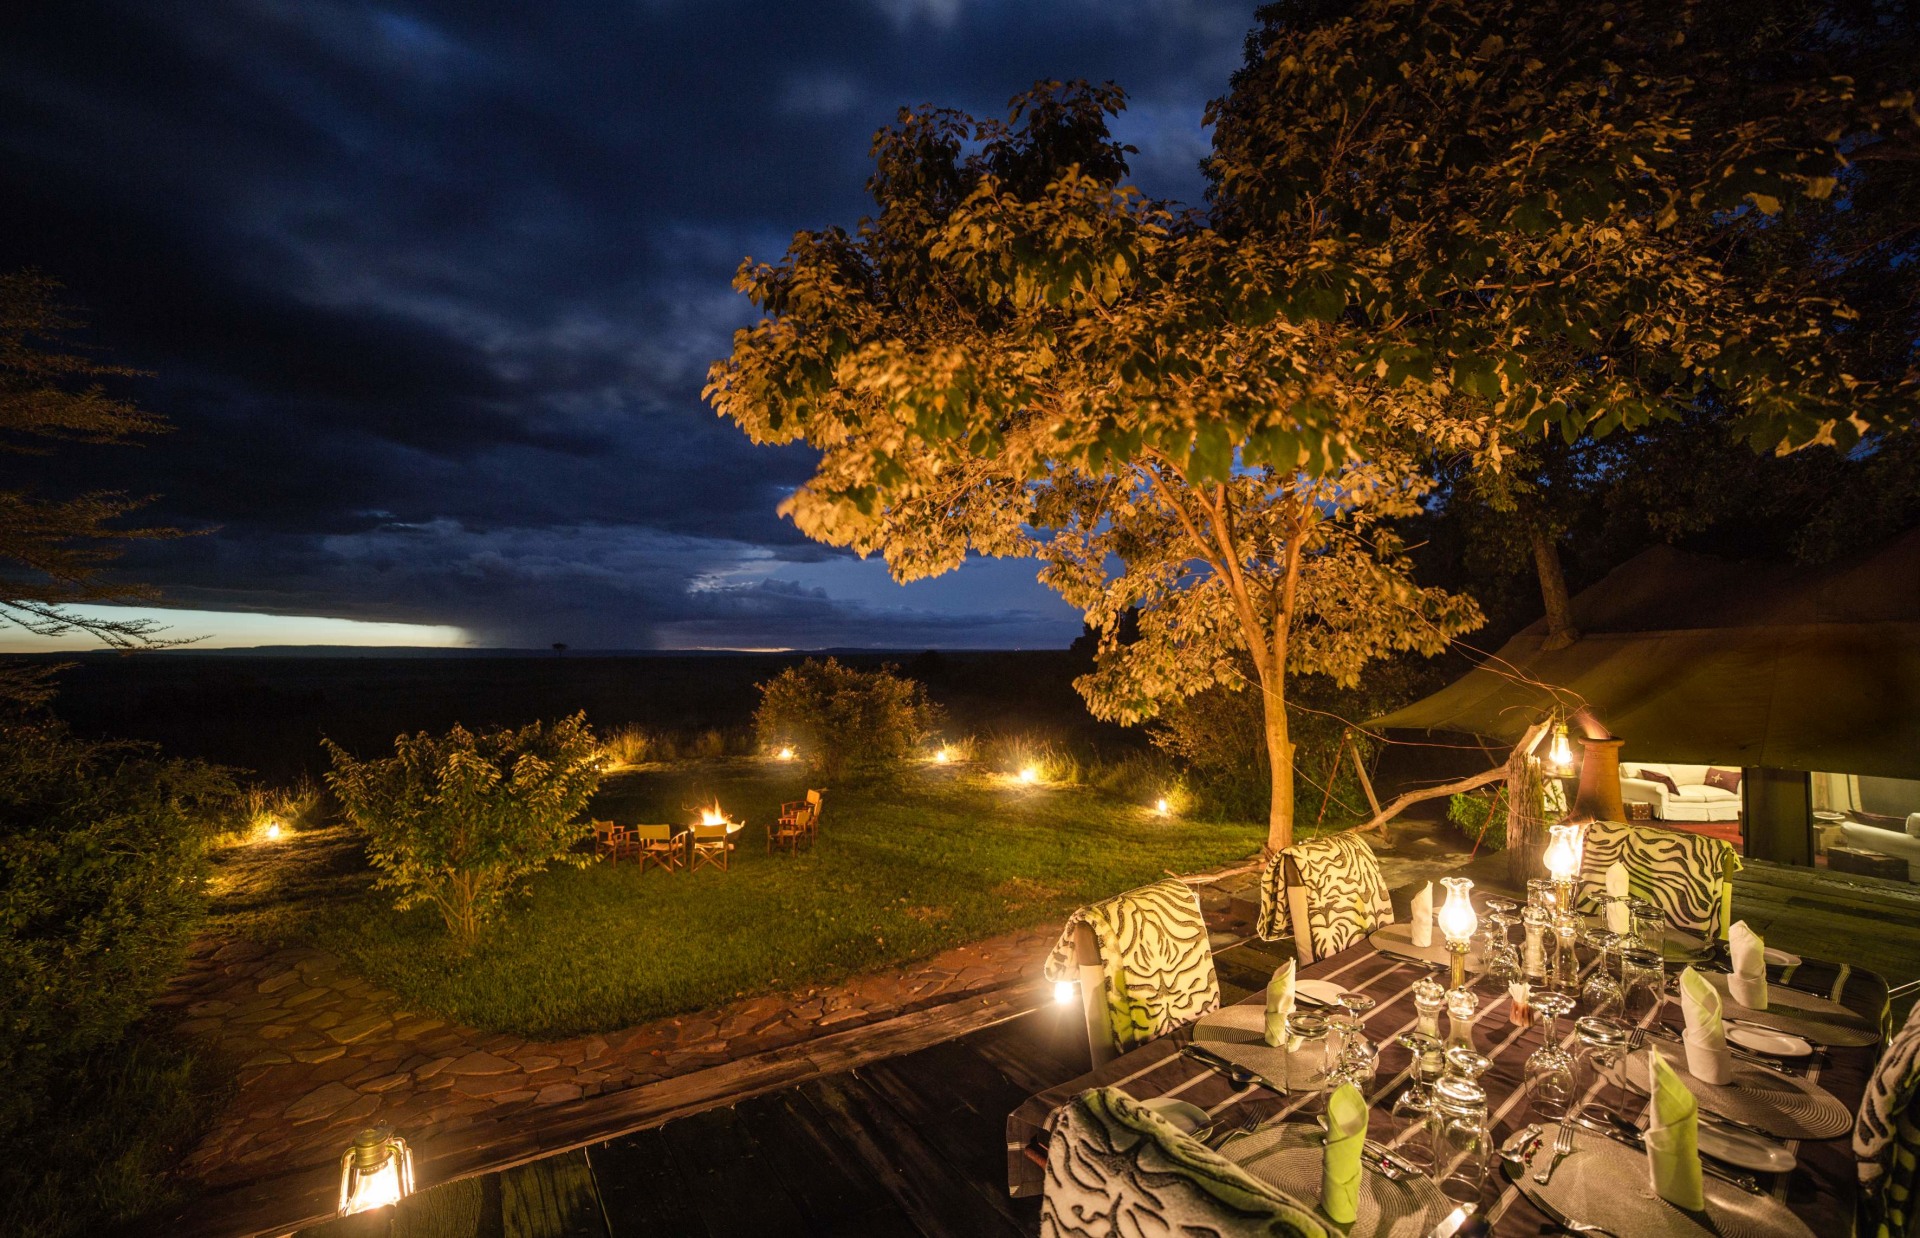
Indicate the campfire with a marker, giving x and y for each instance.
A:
(713, 815)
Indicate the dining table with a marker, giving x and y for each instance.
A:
(1820, 1189)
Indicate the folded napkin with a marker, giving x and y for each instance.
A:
(1618, 920)
(1340, 1168)
(1708, 1057)
(1421, 916)
(1673, 1137)
(1279, 1004)
(1748, 983)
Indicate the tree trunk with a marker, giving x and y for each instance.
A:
(1280, 765)
(1553, 588)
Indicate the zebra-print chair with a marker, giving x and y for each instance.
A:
(1688, 876)
(1326, 894)
(1144, 963)
(1886, 1137)
(1115, 1167)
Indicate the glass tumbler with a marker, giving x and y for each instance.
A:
(1643, 983)
(1550, 1074)
(1461, 1140)
(1602, 1048)
(1307, 1063)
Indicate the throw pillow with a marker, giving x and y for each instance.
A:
(1648, 775)
(1725, 779)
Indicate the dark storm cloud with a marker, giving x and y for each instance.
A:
(430, 288)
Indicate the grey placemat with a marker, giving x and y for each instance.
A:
(1288, 1156)
(1606, 1183)
(1801, 1014)
(1397, 940)
(1238, 1033)
(1782, 1105)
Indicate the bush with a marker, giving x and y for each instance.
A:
(297, 807)
(844, 721)
(102, 874)
(460, 821)
(1481, 816)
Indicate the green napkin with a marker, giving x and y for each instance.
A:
(1672, 1138)
(1340, 1169)
(1279, 1004)
(1700, 1007)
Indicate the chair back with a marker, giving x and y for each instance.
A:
(651, 833)
(709, 834)
(1886, 1137)
(1326, 893)
(1689, 876)
(1110, 1157)
(1155, 964)
(813, 804)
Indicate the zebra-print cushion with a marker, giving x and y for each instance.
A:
(1885, 1142)
(1346, 896)
(1116, 1169)
(1156, 955)
(1685, 874)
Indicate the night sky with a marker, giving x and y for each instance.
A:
(430, 290)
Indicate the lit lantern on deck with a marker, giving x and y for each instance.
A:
(1457, 924)
(1560, 753)
(1063, 992)
(375, 1172)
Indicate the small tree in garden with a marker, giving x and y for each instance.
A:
(844, 720)
(460, 821)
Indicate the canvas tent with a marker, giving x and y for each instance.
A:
(1700, 660)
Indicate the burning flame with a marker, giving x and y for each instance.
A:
(713, 816)
(785, 754)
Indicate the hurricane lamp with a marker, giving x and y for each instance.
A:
(1457, 924)
(1566, 845)
(1560, 752)
(377, 1170)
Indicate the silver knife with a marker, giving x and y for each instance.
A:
(1633, 1137)
(1451, 1223)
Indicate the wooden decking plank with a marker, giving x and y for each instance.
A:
(835, 1188)
(973, 1142)
(732, 1186)
(551, 1198)
(1045, 1048)
(922, 1181)
(469, 1208)
(641, 1191)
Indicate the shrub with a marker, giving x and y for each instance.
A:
(297, 807)
(1480, 816)
(102, 871)
(460, 821)
(842, 720)
(629, 745)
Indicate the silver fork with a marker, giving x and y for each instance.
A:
(1562, 1145)
(1219, 1134)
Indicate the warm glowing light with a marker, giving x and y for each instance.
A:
(1063, 992)
(713, 816)
(785, 754)
(1030, 773)
(942, 757)
(1560, 754)
(273, 831)
(1564, 848)
(376, 1171)
(1162, 807)
(1457, 919)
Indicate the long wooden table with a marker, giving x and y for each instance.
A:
(1821, 1189)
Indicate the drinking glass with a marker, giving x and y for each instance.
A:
(1465, 1062)
(1602, 995)
(1649, 925)
(1564, 970)
(1549, 1076)
(1461, 1140)
(1603, 1043)
(1540, 894)
(1643, 983)
(1307, 1063)
(1350, 1024)
(1359, 1059)
(1412, 1110)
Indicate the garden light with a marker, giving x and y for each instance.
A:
(1162, 807)
(1063, 992)
(942, 757)
(376, 1170)
(1030, 774)
(273, 831)
(785, 754)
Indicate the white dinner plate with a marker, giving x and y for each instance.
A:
(1766, 1040)
(1737, 1147)
(1318, 992)
(1780, 958)
(1184, 1117)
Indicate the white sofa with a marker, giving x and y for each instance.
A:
(1694, 801)
(1887, 840)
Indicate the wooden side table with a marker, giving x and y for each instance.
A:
(1864, 863)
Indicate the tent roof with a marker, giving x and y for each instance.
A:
(1695, 659)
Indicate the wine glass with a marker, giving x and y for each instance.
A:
(1549, 1073)
(1413, 1108)
(1350, 1023)
(1643, 982)
(1602, 994)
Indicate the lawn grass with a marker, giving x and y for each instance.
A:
(900, 873)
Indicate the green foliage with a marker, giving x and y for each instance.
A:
(105, 1157)
(637, 745)
(102, 863)
(844, 721)
(461, 821)
(1480, 816)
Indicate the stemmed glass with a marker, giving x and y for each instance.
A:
(1602, 994)
(1499, 960)
(1412, 1110)
(1349, 1023)
(1549, 1074)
